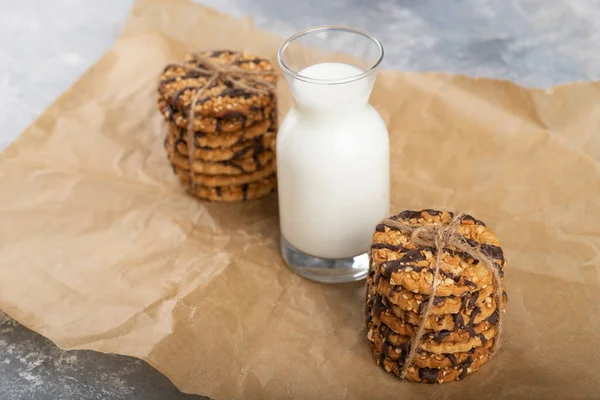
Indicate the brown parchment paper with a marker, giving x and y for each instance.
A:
(101, 249)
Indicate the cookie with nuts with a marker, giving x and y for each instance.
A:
(437, 347)
(220, 97)
(429, 375)
(240, 166)
(410, 301)
(397, 257)
(234, 146)
(225, 180)
(423, 358)
(465, 319)
(463, 334)
(435, 295)
(463, 331)
(230, 122)
(235, 193)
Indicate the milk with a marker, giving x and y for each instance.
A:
(332, 163)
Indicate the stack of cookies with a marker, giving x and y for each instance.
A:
(223, 149)
(462, 325)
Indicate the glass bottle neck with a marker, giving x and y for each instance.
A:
(343, 97)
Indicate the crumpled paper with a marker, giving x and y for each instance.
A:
(101, 249)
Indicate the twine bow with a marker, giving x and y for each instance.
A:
(232, 75)
(440, 237)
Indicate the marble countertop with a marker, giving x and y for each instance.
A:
(45, 45)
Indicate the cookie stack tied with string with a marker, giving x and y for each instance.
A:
(221, 113)
(445, 336)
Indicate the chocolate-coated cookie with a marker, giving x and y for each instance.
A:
(231, 122)
(241, 166)
(434, 346)
(429, 375)
(424, 359)
(245, 148)
(225, 180)
(406, 264)
(235, 193)
(410, 301)
(465, 319)
(225, 97)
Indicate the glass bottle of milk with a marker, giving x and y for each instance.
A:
(332, 155)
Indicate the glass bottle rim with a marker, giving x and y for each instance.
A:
(298, 76)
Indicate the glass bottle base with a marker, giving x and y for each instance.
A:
(325, 270)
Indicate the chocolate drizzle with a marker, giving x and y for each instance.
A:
(234, 115)
(368, 309)
(466, 364)
(217, 53)
(452, 359)
(257, 149)
(482, 338)
(437, 335)
(247, 148)
(235, 93)
(393, 247)
(394, 290)
(467, 217)
(473, 299)
(245, 190)
(464, 369)
(378, 307)
(413, 255)
(450, 275)
(469, 283)
(390, 267)
(170, 112)
(180, 141)
(422, 307)
(469, 327)
(384, 348)
(428, 375)
(492, 251)
(459, 322)
(175, 98)
(463, 302)
(408, 214)
(381, 359)
(376, 279)
(439, 300)
(493, 319)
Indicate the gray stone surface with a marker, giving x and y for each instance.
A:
(33, 368)
(46, 44)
